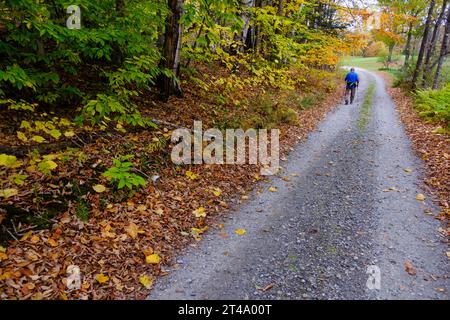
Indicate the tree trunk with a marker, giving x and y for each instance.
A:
(118, 55)
(246, 18)
(444, 52)
(423, 44)
(407, 50)
(432, 44)
(391, 52)
(171, 50)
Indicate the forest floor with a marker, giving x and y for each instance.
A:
(349, 197)
(121, 241)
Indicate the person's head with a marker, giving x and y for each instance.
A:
(352, 70)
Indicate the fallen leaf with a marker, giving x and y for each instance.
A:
(408, 170)
(217, 192)
(52, 242)
(273, 189)
(266, 288)
(38, 139)
(240, 232)
(8, 193)
(152, 259)
(101, 278)
(410, 269)
(146, 281)
(420, 197)
(26, 235)
(191, 175)
(141, 208)
(133, 230)
(199, 213)
(99, 188)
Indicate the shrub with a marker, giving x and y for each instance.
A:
(434, 105)
(121, 175)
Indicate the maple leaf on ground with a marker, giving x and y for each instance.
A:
(101, 278)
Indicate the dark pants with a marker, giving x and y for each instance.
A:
(352, 91)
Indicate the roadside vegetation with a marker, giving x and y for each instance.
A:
(86, 117)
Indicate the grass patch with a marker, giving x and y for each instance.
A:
(364, 114)
(373, 64)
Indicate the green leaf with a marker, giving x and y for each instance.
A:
(7, 160)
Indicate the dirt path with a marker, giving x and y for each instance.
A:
(352, 205)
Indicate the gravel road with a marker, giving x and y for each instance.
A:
(349, 204)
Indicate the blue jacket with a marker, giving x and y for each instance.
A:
(352, 78)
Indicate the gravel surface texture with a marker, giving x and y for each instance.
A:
(348, 204)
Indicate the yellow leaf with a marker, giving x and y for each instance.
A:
(26, 235)
(52, 242)
(69, 134)
(197, 231)
(191, 175)
(199, 213)
(38, 139)
(244, 197)
(2, 249)
(273, 189)
(408, 170)
(420, 197)
(152, 259)
(101, 278)
(7, 160)
(37, 296)
(25, 125)
(217, 192)
(146, 281)
(7, 193)
(22, 136)
(3, 256)
(240, 231)
(99, 188)
(34, 239)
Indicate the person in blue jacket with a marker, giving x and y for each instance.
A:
(352, 81)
